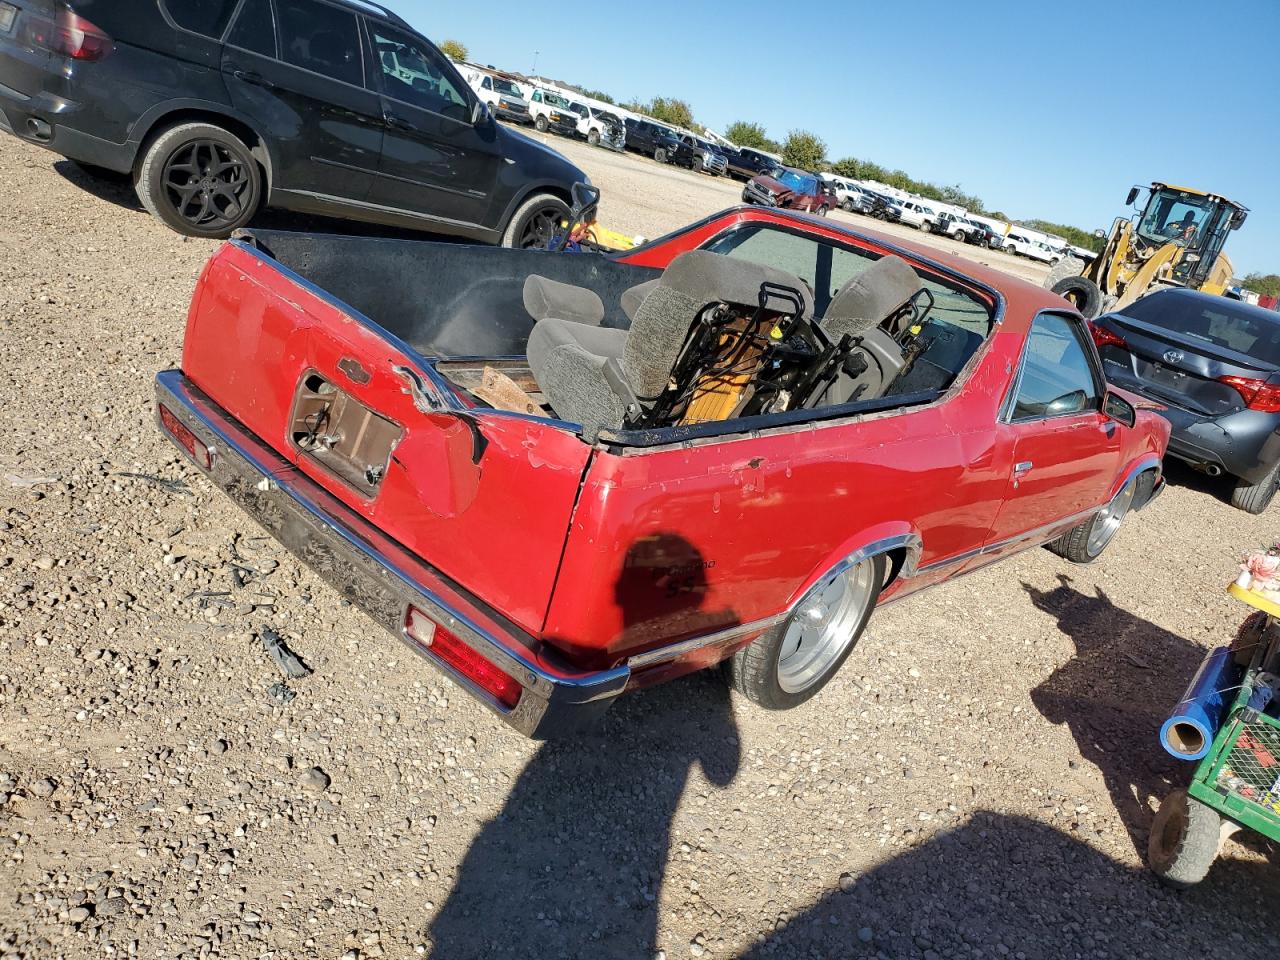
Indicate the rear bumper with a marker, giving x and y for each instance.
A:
(382, 578)
(49, 121)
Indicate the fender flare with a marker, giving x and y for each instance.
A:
(155, 117)
(527, 191)
(1139, 464)
(873, 541)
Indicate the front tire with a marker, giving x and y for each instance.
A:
(660, 155)
(1256, 497)
(1184, 840)
(593, 137)
(1085, 543)
(925, 226)
(793, 661)
(847, 206)
(540, 124)
(201, 180)
(535, 223)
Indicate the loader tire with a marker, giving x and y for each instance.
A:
(1082, 293)
(1070, 267)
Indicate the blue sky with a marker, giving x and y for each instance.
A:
(1042, 109)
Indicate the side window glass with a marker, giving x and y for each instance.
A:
(205, 17)
(255, 29)
(322, 39)
(488, 84)
(419, 77)
(1057, 378)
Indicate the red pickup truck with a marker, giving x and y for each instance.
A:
(559, 477)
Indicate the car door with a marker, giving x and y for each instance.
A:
(300, 78)
(436, 162)
(1064, 453)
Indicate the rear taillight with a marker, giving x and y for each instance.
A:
(1105, 338)
(1257, 394)
(70, 35)
(185, 438)
(440, 643)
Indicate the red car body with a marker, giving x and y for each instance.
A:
(766, 190)
(559, 573)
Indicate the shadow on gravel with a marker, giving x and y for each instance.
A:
(573, 865)
(1181, 475)
(1005, 886)
(1114, 694)
(118, 189)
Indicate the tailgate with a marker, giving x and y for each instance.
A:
(484, 497)
(26, 60)
(1180, 371)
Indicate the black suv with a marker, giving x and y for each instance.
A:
(645, 136)
(215, 107)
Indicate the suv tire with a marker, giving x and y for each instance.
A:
(535, 222)
(660, 155)
(593, 137)
(199, 179)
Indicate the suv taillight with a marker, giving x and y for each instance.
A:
(70, 35)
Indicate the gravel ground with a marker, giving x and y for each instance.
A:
(977, 782)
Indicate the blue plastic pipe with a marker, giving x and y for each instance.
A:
(1191, 727)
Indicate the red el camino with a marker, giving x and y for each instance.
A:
(560, 477)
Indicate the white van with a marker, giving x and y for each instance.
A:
(504, 98)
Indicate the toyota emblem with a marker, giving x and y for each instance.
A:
(1173, 356)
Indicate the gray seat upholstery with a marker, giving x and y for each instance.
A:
(632, 297)
(859, 308)
(544, 297)
(592, 374)
(870, 298)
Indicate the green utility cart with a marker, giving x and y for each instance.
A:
(1237, 782)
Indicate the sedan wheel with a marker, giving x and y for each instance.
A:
(786, 666)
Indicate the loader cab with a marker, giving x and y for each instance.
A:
(1198, 222)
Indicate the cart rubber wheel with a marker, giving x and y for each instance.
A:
(1184, 840)
(1256, 497)
(790, 663)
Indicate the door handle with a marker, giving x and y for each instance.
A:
(395, 123)
(1022, 467)
(251, 76)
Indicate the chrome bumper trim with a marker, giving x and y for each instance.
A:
(380, 577)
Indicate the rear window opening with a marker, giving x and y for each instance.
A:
(1216, 322)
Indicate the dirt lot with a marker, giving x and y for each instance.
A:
(976, 783)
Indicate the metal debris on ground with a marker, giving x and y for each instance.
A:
(173, 486)
(288, 661)
(211, 598)
(279, 694)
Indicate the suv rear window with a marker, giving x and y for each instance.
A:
(321, 38)
(205, 17)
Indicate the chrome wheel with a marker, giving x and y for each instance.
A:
(824, 625)
(1106, 523)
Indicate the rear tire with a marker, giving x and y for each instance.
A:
(535, 222)
(1082, 293)
(777, 670)
(1085, 543)
(201, 180)
(1184, 840)
(1256, 497)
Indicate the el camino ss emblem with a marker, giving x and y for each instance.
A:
(1172, 356)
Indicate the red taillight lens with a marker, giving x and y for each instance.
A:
(1258, 394)
(1105, 338)
(79, 39)
(440, 643)
(70, 35)
(185, 438)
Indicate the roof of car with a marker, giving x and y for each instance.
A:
(377, 9)
(1213, 299)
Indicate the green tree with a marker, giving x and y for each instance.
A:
(1266, 284)
(671, 110)
(454, 49)
(598, 95)
(804, 150)
(746, 134)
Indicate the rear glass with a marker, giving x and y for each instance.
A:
(321, 38)
(206, 17)
(1221, 322)
(255, 30)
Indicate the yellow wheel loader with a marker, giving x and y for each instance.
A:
(1176, 239)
